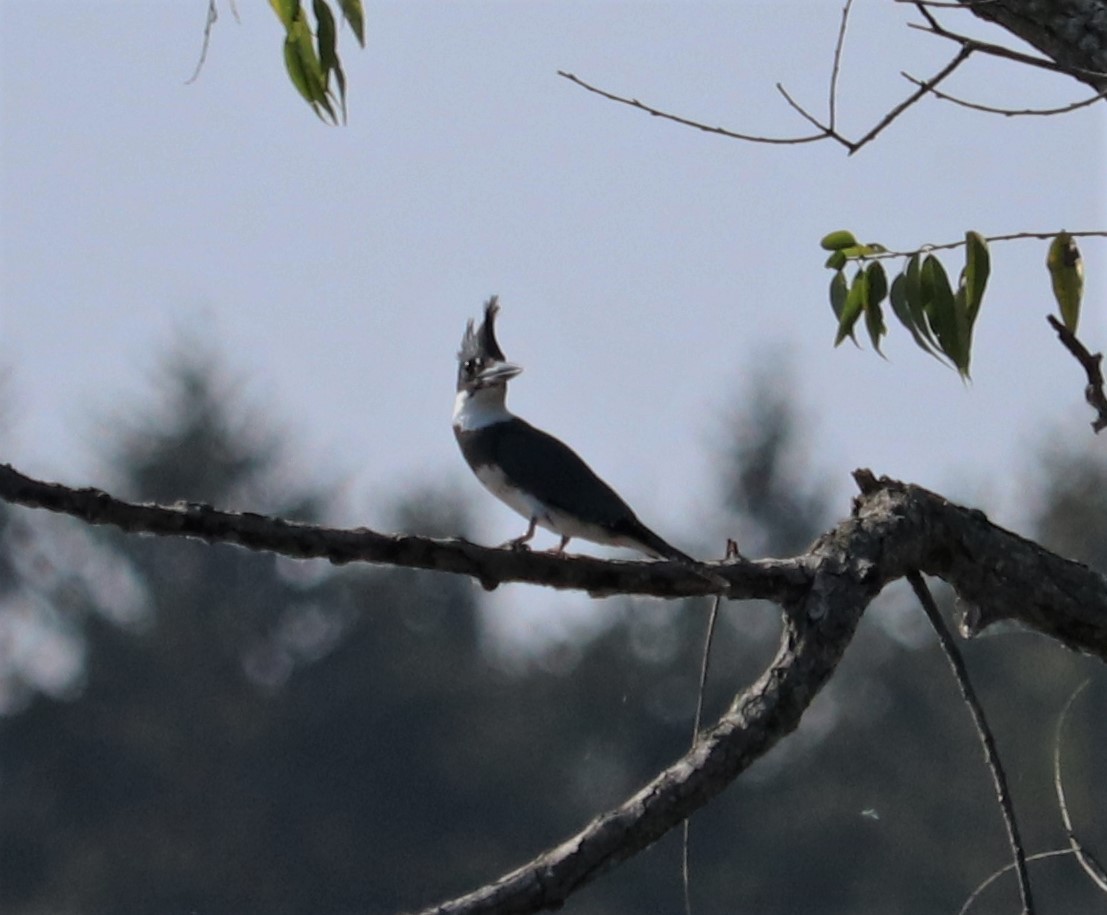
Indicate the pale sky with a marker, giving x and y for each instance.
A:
(642, 266)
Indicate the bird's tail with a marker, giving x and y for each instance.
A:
(649, 543)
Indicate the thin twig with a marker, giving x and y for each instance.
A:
(687, 122)
(1090, 864)
(983, 730)
(1010, 236)
(1087, 861)
(933, 27)
(1092, 364)
(1006, 869)
(1007, 112)
(709, 638)
(213, 15)
(837, 66)
(924, 88)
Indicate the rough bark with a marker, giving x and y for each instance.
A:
(1072, 33)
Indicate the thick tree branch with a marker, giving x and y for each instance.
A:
(1072, 33)
(894, 530)
(997, 574)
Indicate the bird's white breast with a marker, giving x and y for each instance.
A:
(476, 409)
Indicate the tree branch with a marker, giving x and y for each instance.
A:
(997, 574)
(895, 529)
(1093, 368)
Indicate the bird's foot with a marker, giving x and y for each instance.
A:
(519, 545)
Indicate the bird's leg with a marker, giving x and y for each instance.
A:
(560, 548)
(520, 543)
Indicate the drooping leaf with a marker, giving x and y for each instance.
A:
(974, 278)
(326, 37)
(305, 68)
(877, 288)
(836, 260)
(852, 307)
(326, 34)
(839, 289)
(874, 324)
(878, 282)
(835, 241)
(943, 313)
(287, 11)
(916, 301)
(897, 296)
(1066, 272)
(354, 14)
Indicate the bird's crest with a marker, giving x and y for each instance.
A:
(480, 343)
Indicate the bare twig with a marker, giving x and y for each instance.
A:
(1091, 866)
(213, 16)
(984, 732)
(1007, 112)
(933, 27)
(832, 101)
(687, 122)
(1092, 364)
(924, 88)
(1006, 869)
(708, 639)
(826, 131)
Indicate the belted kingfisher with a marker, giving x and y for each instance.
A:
(539, 476)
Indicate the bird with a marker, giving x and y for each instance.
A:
(537, 475)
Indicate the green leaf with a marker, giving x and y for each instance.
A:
(839, 288)
(878, 282)
(852, 307)
(874, 324)
(876, 289)
(901, 308)
(942, 312)
(974, 278)
(354, 14)
(916, 302)
(1066, 272)
(326, 35)
(835, 241)
(836, 260)
(305, 68)
(287, 11)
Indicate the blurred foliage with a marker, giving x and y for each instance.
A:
(279, 737)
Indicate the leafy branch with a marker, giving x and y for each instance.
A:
(310, 54)
(940, 318)
(311, 57)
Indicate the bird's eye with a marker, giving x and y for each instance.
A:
(472, 366)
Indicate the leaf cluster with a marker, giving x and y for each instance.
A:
(311, 56)
(939, 317)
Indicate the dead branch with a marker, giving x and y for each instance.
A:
(1092, 363)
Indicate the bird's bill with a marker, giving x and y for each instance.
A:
(497, 372)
